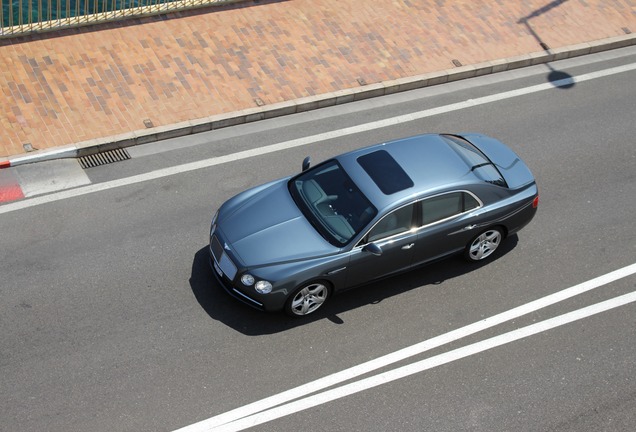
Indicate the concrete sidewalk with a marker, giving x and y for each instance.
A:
(81, 90)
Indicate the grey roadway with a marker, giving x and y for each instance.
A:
(110, 320)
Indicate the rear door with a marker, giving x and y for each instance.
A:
(448, 224)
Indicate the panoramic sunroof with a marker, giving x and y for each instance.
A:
(385, 172)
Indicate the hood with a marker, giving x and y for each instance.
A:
(265, 226)
(511, 167)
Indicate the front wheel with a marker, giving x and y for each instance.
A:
(307, 299)
(484, 245)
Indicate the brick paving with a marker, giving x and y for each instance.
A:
(70, 86)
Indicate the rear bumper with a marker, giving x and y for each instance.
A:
(521, 218)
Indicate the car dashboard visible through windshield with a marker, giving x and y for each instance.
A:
(332, 202)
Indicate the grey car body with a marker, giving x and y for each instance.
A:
(292, 243)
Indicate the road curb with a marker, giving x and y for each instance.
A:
(310, 103)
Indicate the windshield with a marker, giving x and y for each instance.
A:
(332, 202)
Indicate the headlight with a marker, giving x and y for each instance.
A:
(263, 287)
(247, 279)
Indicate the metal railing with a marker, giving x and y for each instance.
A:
(19, 17)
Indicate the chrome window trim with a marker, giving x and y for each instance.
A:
(360, 245)
(386, 239)
(481, 204)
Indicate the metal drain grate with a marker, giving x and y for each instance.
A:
(104, 158)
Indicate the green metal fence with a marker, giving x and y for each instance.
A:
(18, 17)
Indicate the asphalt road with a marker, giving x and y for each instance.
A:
(110, 319)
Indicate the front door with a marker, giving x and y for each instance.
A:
(396, 238)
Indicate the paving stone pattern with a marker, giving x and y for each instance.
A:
(70, 86)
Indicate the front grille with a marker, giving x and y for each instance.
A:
(222, 260)
(217, 249)
(227, 266)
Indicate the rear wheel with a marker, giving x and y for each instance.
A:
(484, 245)
(307, 299)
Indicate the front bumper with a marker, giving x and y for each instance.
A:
(228, 284)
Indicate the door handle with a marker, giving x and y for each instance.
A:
(469, 227)
(408, 246)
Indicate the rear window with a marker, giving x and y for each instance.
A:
(479, 164)
(387, 174)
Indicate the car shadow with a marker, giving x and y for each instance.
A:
(221, 307)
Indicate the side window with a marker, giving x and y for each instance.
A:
(396, 222)
(447, 205)
(470, 202)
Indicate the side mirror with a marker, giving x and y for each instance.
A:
(373, 249)
(306, 163)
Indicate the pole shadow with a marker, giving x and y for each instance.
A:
(557, 78)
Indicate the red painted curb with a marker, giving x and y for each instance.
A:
(11, 193)
(5, 164)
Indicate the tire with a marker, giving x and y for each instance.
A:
(484, 245)
(307, 299)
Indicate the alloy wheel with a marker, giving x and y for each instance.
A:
(308, 299)
(484, 245)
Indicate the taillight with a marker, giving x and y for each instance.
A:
(535, 202)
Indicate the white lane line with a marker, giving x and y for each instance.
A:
(355, 371)
(306, 140)
(420, 366)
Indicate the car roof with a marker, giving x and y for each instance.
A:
(428, 161)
